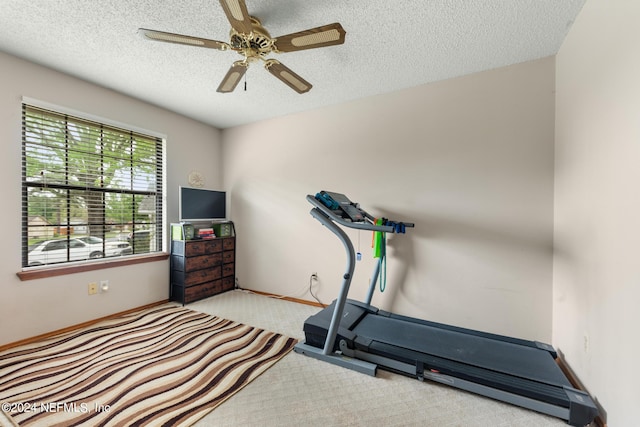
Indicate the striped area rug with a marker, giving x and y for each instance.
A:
(162, 366)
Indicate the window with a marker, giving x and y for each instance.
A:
(89, 190)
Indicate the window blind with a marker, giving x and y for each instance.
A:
(89, 190)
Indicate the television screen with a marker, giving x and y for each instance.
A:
(197, 204)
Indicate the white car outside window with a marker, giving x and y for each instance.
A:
(82, 248)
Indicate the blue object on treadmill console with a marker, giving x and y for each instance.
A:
(327, 201)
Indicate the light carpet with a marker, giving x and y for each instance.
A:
(302, 391)
(167, 365)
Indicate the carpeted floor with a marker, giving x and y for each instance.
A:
(167, 365)
(300, 390)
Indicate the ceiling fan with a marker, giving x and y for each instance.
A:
(251, 40)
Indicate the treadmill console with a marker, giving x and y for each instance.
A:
(340, 203)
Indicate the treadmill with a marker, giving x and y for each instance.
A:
(361, 337)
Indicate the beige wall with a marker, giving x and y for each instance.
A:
(597, 206)
(469, 160)
(34, 307)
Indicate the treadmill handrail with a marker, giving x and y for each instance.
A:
(359, 225)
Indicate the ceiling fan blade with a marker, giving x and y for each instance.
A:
(326, 35)
(287, 76)
(161, 36)
(233, 77)
(237, 14)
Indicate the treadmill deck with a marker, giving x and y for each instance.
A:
(499, 356)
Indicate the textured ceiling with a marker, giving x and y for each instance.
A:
(390, 45)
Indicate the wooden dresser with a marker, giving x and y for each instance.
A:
(201, 268)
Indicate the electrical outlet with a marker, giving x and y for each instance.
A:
(104, 285)
(314, 276)
(93, 288)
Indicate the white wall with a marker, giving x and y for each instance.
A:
(597, 204)
(34, 307)
(469, 160)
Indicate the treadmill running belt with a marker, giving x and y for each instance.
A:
(499, 356)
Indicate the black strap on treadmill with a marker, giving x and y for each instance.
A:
(420, 370)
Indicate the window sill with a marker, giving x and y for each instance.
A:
(45, 272)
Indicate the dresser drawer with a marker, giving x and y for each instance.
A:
(196, 262)
(194, 293)
(202, 247)
(228, 270)
(191, 278)
(228, 257)
(228, 283)
(195, 247)
(229, 243)
(203, 261)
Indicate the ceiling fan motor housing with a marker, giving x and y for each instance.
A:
(257, 44)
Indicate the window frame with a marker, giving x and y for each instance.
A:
(157, 252)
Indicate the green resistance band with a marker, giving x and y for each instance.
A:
(379, 251)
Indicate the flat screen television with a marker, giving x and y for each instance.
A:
(197, 204)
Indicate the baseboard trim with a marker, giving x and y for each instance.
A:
(285, 298)
(575, 382)
(78, 326)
